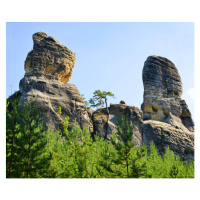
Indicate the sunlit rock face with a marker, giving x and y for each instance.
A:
(49, 58)
(167, 118)
(163, 91)
(162, 88)
(161, 78)
(48, 68)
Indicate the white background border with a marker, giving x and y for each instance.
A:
(98, 11)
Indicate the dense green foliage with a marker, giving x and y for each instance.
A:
(26, 142)
(33, 151)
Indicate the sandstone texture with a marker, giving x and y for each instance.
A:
(116, 111)
(162, 88)
(49, 95)
(48, 69)
(162, 102)
(164, 135)
(49, 59)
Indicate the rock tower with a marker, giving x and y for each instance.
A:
(48, 69)
(49, 59)
(167, 119)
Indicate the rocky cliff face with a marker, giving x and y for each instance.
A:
(48, 68)
(163, 103)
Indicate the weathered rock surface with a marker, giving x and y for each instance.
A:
(48, 69)
(164, 135)
(162, 91)
(161, 78)
(116, 111)
(162, 102)
(49, 59)
(162, 88)
(49, 95)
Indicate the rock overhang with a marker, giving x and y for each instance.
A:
(49, 58)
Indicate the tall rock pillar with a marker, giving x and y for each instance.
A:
(167, 119)
(48, 69)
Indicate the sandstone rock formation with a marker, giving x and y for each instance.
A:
(49, 59)
(48, 69)
(116, 111)
(162, 88)
(164, 117)
(162, 102)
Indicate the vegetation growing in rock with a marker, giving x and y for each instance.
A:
(59, 110)
(85, 101)
(33, 151)
(98, 100)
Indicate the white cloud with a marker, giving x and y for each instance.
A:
(191, 92)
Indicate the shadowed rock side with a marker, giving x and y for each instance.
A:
(48, 69)
(164, 135)
(163, 103)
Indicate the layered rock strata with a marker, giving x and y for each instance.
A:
(49, 59)
(162, 102)
(48, 69)
(162, 88)
(180, 141)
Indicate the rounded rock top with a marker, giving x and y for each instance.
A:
(49, 58)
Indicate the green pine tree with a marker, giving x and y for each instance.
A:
(56, 149)
(155, 167)
(139, 163)
(98, 100)
(12, 131)
(85, 101)
(123, 143)
(32, 143)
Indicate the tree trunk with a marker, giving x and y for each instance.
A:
(127, 168)
(107, 118)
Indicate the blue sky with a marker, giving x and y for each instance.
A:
(109, 56)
